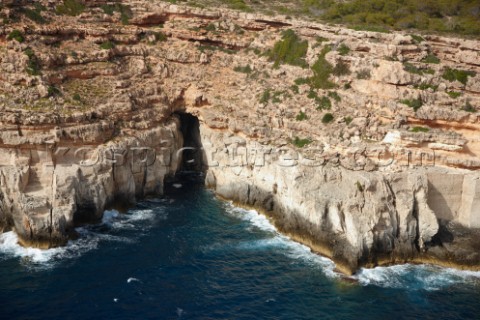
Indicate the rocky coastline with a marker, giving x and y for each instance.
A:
(97, 111)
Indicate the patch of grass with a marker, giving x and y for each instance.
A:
(70, 8)
(457, 75)
(419, 129)
(341, 69)
(301, 116)
(77, 97)
(431, 58)
(300, 143)
(290, 50)
(343, 50)
(454, 94)
(415, 104)
(16, 35)
(327, 118)
(348, 120)
(243, 69)
(107, 45)
(363, 74)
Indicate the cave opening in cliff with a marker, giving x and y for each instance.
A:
(192, 163)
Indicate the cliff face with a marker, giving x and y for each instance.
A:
(376, 163)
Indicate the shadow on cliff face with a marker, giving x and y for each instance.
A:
(193, 163)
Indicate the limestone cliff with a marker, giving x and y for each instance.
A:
(374, 163)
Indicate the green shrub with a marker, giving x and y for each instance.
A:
(324, 103)
(125, 11)
(239, 5)
(35, 15)
(70, 7)
(458, 16)
(107, 45)
(211, 27)
(458, 75)
(290, 50)
(425, 86)
(341, 69)
(33, 64)
(300, 81)
(334, 95)
(419, 129)
(160, 36)
(415, 104)
(108, 9)
(343, 50)
(468, 107)
(294, 89)
(265, 97)
(416, 38)
(16, 35)
(363, 74)
(300, 143)
(53, 91)
(359, 186)
(246, 69)
(431, 58)
(454, 94)
(301, 116)
(321, 72)
(327, 118)
(411, 68)
(348, 120)
(77, 97)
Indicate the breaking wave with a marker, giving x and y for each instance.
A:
(89, 238)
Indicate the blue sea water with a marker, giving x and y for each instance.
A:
(191, 256)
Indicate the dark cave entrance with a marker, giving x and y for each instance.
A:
(193, 164)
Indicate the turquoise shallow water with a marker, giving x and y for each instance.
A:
(191, 256)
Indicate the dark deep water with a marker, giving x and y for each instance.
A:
(191, 256)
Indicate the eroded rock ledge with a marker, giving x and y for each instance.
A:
(90, 116)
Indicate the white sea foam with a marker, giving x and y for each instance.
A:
(256, 219)
(129, 280)
(89, 238)
(292, 249)
(33, 257)
(416, 277)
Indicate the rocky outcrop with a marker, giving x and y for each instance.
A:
(380, 167)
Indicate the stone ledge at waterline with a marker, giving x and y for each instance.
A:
(93, 115)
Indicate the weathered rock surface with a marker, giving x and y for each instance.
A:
(90, 116)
